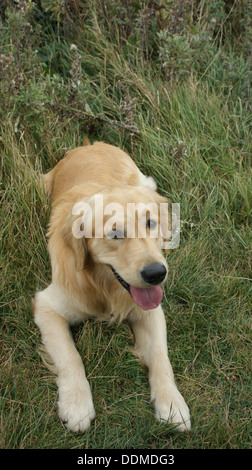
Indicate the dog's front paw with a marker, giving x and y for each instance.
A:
(76, 407)
(172, 407)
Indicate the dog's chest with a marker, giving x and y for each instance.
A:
(103, 306)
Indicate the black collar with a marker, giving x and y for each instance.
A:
(121, 280)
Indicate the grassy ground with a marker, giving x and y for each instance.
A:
(191, 132)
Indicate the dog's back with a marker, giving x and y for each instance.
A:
(101, 163)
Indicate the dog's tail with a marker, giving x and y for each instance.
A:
(86, 141)
(48, 180)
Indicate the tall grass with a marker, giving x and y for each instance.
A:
(192, 134)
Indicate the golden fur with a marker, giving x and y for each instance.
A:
(83, 284)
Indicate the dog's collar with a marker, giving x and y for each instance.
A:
(121, 280)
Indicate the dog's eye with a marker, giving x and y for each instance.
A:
(115, 234)
(151, 224)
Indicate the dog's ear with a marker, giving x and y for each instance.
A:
(69, 254)
(78, 244)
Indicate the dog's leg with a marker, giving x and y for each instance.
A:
(75, 400)
(151, 347)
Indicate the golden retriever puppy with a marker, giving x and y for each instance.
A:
(105, 250)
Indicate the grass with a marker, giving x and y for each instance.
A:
(127, 101)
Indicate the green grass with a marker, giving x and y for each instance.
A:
(208, 294)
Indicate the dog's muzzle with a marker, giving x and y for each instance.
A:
(146, 297)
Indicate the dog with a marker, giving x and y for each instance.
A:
(108, 275)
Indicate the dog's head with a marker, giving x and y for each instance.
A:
(119, 227)
(116, 233)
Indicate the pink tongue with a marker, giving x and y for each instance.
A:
(147, 298)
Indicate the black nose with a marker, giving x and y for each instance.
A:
(154, 273)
